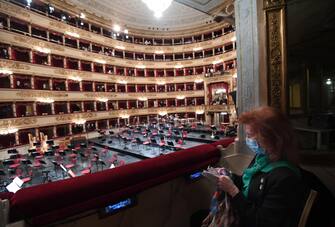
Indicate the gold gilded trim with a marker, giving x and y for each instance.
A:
(276, 53)
(17, 122)
(69, 117)
(44, 94)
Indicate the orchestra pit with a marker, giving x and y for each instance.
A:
(113, 112)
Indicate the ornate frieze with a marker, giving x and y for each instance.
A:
(276, 59)
(14, 10)
(273, 3)
(70, 117)
(32, 43)
(13, 65)
(44, 94)
(18, 122)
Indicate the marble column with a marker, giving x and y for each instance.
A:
(251, 70)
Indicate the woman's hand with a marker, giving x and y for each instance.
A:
(227, 185)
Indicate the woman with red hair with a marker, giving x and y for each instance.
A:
(270, 192)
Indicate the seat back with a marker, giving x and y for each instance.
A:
(307, 208)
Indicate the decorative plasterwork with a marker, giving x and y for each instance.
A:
(70, 117)
(14, 10)
(18, 122)
(274, 3)
(61, 27)
(36, 43)
(276, 59)
(14, 65)
(45, 71)
(51, 120)
(101, 12)
(44, 94)
(31, 43)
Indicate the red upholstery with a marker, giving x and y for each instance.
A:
(6, 195)
(46, 203)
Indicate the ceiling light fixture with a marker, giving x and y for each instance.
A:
(221, 90)
(125, 31)
(161, 82)
(75, 78)
(140, 66)
(43, 50)
(158, 7)
(79, 121)
(6, 71)
(122, 82)
(82, 16)
(45, 100)
(197, 48)
(116, 28)
(124, 116)
(217, 61)
(73, 34)
(200, 111)
(329, 81)
(197, 81)
(178, 66)
(162, 113)
(142, 98)
(159, 52)
(120, 47)
(102, 99)
(100, 61)
(180, 97)
(9, 130)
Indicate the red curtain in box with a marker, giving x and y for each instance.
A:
(212, 88)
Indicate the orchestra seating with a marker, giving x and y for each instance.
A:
(55, 201)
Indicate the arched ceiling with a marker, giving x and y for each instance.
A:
(182, 14)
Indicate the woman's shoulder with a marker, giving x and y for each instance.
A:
(285, 174)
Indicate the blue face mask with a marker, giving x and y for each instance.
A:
(254, 146)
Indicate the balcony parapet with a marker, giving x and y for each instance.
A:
(45, 22)
(51, 120)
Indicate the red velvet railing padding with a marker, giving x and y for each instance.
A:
(6, 195)
(68, 194)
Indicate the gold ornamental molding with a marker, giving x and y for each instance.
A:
(53, 120)
(70, 117)
(14, 65)
(47, 71)
(5, 7)
(44, 94)
(218, 108)
(17, 95)
(45, 22)
(18, 122)
(275, 13)
(33, 42)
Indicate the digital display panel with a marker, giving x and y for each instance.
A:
(195, 175)
(115, 207)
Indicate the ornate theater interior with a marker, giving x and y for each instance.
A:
(110, 110)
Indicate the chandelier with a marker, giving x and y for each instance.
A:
(79, 121)
(158, 7)
(45, 100)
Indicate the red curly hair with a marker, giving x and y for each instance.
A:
(274, 133)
